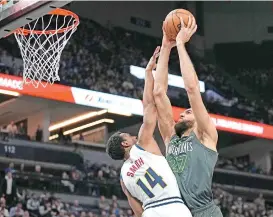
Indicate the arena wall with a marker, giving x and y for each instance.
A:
(120, 13)
(237, 21)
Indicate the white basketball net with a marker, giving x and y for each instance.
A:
(41, 51)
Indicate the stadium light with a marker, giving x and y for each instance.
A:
(76, 120)
(10, 93)
(173, 80)
(105, 120)
(112, 111)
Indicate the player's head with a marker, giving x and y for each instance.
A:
(185, 122)
(118, 144)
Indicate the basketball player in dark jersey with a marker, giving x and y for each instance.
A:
(191, 142)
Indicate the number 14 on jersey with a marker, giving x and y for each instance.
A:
(153, 179)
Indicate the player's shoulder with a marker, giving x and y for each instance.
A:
(137, 151)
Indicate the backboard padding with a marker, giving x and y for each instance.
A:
(24, 12)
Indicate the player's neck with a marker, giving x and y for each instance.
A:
(186, 132)
(127, 153)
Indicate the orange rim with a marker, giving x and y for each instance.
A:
(57, 11)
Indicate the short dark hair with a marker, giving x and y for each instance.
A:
(114, 147)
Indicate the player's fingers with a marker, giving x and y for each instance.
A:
(157, 55)
(182, 22)
(153, 54)
(193, 24)
(194, 30)
(163, 27)
(189, 22)
(156, 51)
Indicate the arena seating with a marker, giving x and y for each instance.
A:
(101, 54)
(37, 205)
(97, 180)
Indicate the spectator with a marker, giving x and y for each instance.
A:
(26, 214)
(17, 210)
(100, 176)
(33, 204)
(9, 189)
(39, 134)
(260, 201)
(76, 208)
(81, 138)
(12, 129)
(115, 209)
(103, 213)
(103, 204)
(3, 210)
(129, 213)
(45, 209)
(61, 135)
(75, 174)
(38, 170)
(65, 181)
(22, 129)
(10, 168)
(62, 213)
(22, 167)
(90, 214)
(83, 214)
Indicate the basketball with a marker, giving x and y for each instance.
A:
(172, 22)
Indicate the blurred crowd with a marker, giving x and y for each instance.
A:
(47, 205)
(236, 206)
(96, 54)
(240, 164)
(19, 202)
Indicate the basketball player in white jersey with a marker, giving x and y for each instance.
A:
(146, 178)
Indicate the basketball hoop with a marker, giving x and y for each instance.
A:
(41, 43)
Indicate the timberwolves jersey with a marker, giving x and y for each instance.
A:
(193, 165)
(149, 178)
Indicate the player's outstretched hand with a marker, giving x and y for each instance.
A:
(152, 62)
(186, 32)
(166, 42)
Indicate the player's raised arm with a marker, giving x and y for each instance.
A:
(163, 104)
(145, 135)
(205, 127)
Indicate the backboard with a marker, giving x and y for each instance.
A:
(15, 14)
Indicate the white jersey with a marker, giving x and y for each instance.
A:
(149, 178)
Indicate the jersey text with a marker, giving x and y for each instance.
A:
(137, 164)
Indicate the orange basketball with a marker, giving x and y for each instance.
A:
(172, 23)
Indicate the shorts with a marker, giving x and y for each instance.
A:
(169, 210)
(209, 211)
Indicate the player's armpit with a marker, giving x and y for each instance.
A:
(205, 127)
(165, 114)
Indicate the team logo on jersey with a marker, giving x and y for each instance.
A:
(180, 147)
(177, 153)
